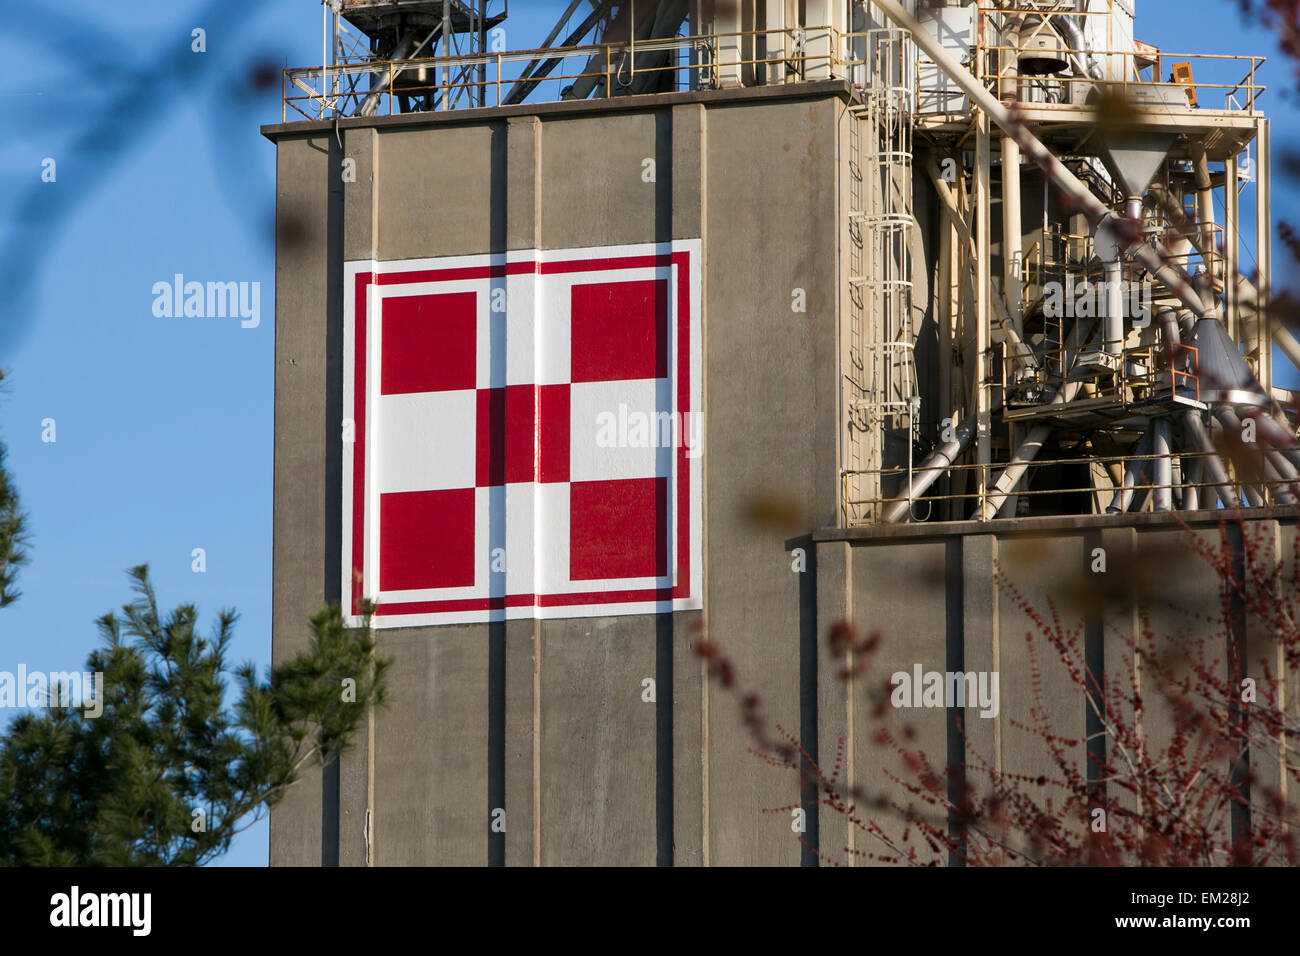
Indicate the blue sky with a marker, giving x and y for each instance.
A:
(164, 425)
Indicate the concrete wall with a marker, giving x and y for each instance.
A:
(545, 720)
(937, 595)
(308, 403)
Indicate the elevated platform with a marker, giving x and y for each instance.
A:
(1075, 130)
(374, 16)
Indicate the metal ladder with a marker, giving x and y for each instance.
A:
(880, 383)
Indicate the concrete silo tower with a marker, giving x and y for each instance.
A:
(735, 319)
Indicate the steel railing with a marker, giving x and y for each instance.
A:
(1247, 480)
(993, 63)
(700, 61)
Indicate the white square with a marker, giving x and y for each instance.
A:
(554, 345)
(504, 533)
(507, 326)
(552, 554)
(620, 430)
(425, 441)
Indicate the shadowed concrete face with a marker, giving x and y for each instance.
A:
(1111, 583)
(301, 579)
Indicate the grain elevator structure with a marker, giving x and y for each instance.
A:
(729, 321)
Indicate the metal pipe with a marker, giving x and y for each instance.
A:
(1267, 428)
(581, 86)
(1011, 74)
(1114, 321)
(406, 48)
(446, 51)
(1021, 353)
(1247, 292)
(935, 464)
(1193, 470)
(1231, 423)
(1198, 437)
(1205, 211)
(1133, 468)
(324, 56)
(1279, 422)
(1272, 432)
(1248, 302)
(1112, 469)
(1199, 238)
(1025, 453)
(1277, 466)
(1008, 324)
(1011, 225)
(1287, 342)
(1032, 444)
(1177, 359)
(664, 20)
(1284, 475)
(1153, 256)
(1168, 319)
(1012, 241)
(1164, 466)
(1081, 58)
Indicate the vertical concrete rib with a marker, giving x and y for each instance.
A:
(331, 531)
(834, 692)
(666, 218)
(688, 162)
(299, 584)
(1264, 545)
(981, 650)
(1111, 649)
(357, 238)
(499, 203)
(808, 627)
(519, 168)
(954, 585)
(1237, 665)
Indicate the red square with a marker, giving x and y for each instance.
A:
(618, 529)
(505, 435)
(426, 539)
(619, 331)
(522, 434)
(553, 433)
(429, 343)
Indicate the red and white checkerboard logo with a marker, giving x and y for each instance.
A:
(492, 472)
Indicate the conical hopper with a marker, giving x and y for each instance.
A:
(1223, 372)
(1134, 156)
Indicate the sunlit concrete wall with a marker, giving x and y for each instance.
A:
(546, 720)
